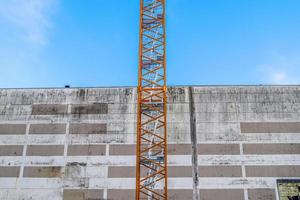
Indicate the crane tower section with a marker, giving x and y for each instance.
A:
(151, 166)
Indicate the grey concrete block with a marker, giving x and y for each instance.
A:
(119, 194)
(271, 148)
(42, 172)
(86, 150)
(179, 149)
(88, 128)
(270, 127)
(180, 171)
(180, 194)
(224, 194)
(220, 171)
(273, 171)
(45, 150)
(14, 129)
(11, 150)
(9, 171)
(49, 109)
(122, 149)
(47, 129)
(262, 194)
(96, 108)
(121, 171)
(218, 149)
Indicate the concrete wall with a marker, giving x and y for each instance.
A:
(80, 143)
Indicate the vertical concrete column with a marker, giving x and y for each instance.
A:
(193, 132)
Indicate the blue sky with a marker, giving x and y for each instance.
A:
(51, 43)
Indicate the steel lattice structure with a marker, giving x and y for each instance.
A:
(151, 172)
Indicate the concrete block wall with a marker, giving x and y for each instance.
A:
(79, 143)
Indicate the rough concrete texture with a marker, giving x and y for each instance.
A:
(228, 142)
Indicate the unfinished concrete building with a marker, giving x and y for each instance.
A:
(79, 143)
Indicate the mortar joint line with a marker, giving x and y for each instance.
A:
(105, 193)
(106, 170)
(21, 173)
(277, 192)
(66, 141)
(243, 171)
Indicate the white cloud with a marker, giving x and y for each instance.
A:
(279, 75)
(25, 29)
(30, 18)
(280, 78)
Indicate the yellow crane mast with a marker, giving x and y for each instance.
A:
(151, 152)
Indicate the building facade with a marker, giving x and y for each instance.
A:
(225, 142)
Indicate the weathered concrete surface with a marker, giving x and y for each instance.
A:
(80, 143)
(193, 133)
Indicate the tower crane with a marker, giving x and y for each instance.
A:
(151, 148)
